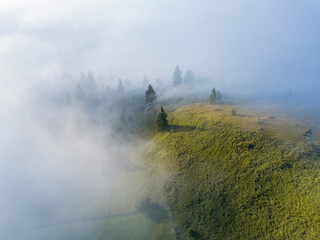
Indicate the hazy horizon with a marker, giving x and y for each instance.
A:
(268, 50)
(260, 45)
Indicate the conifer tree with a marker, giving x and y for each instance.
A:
(120, 86)
(150, 95)
(162, 121)
(91, 84)
(219, 96)
(79, 94)
(177, 77)
(188, 77)
(213, 96)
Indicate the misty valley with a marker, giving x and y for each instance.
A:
(159, 120)
(165, 162)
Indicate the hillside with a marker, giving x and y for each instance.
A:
(231, 177)
(212, 175)
(133, 226)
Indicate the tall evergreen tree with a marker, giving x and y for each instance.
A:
(120, 86)
(219, 96)
(150, 95)
(88, 83)
(188, 77)
(213, 96)
(79, 94)
(89, 87)
(162, 121)
(91, 82)
(177, 77)
(91, 90)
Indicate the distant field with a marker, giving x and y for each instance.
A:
(112, 216)
(273, 122)
(133, 226)
(232, 177)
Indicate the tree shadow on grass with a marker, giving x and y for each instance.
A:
(316, 149)
(180, 128)
(153, 211)
(243, 115)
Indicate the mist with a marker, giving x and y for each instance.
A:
(57, 154)
(62, 161)
(250, 44)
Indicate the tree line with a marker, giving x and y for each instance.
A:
(150, 94)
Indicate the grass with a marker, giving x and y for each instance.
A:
(273, 123)
(112, 215)
(230, 177)
(221, 176)
(134, 226)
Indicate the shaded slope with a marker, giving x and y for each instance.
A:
(134, 226)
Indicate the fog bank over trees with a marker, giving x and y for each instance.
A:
(266, 47)
(74, 78)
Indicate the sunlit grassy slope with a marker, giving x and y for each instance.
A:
(229, 177)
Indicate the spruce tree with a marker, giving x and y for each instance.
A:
(79, 95)
(150, 95)
(177, 77)
(91, 84)
(120, 86)
(219, 96)
(213, 96)
(162, 121)
(188, 77)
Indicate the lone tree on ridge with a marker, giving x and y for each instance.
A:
(188, 77)
(177, 77)
(150, 95)
(219, 96)
(213, 96)
(162, 121)
(120, 87)
(79, 95)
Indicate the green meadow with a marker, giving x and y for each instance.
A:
(236, 177)
(133, 226)
(211, 175)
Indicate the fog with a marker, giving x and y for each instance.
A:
(270, 45)
(62, 161)
(53, 152)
